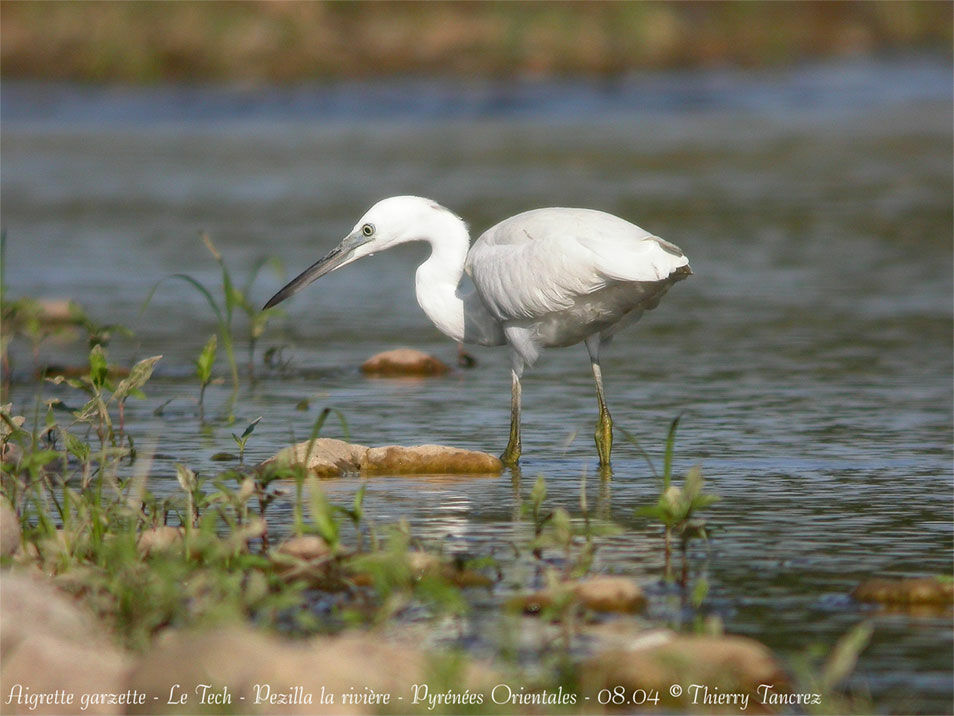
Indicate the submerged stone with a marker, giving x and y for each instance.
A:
(610, 594)
(716, 665)
(404, 361)
(306, 547)
(902, 592)
(420, 564)
(323, 457)
(428, 459)
(327, 457)
(159, 539)
(56, 311)
(600, 593)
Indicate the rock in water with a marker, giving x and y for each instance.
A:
(606, 593)
(898, 592)
(602, 593)
(324, 457)
(404, 361)
(327, 457)
(305, 547)
(428, 459)
(159, 539)
(721, 664)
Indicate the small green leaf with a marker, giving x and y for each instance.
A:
(186, 477)
(539, 492)
(206, 360)
(359, 501)
(653, 511)
(699, 592)
(138, 376)
(9, 424)
(562, 525)
(693, 483)
(670, 445)
(251, 427)
(703, 501)
(76, 447)
(844, 655)
(322, 513)
(98, 367)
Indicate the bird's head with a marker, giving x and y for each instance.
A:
(390, 222)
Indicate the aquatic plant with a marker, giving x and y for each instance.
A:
(98, 386)
(242, 440)
(823, 670)
(203, 370)
(676, 506)
(223, 309)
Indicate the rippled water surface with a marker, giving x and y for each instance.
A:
(810, 354)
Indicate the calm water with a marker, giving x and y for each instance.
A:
(811, 352)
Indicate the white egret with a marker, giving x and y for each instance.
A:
(544, 278)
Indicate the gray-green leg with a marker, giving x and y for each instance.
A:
(604, 426)
(511, 455)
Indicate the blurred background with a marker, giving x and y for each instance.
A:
(799, 153)
(283, 42)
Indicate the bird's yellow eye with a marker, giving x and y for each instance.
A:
(367, 229)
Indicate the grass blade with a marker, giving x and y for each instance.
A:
(670, 445)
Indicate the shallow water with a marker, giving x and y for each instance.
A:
(810, 354)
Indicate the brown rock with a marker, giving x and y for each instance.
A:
(428, 459)
(420, 564)
(308, 558)
(47, 664)
(55, 310)
(48, 644)
(305, 547)
(255, 666)
(919, 591)
(610, 594)
(326, 457)
(727, 663)
(237, 658)
(403, 361)
(9, 529)
(600, 593)
(159, 539)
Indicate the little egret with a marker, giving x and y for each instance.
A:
(544, 278)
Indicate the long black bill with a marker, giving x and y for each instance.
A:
(329, 262)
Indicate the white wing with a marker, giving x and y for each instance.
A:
(541, 261)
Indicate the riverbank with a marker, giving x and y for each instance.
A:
(284, 42)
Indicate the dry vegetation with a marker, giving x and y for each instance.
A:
(142, 42)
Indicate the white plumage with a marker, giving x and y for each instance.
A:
(544, 278)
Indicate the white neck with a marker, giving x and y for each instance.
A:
(462, 318)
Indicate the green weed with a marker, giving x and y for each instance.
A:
(223, 308)
(676, 507)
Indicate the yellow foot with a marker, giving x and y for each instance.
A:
(604, 439)
(511, 456)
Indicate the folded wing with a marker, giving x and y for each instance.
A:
(542, 261)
